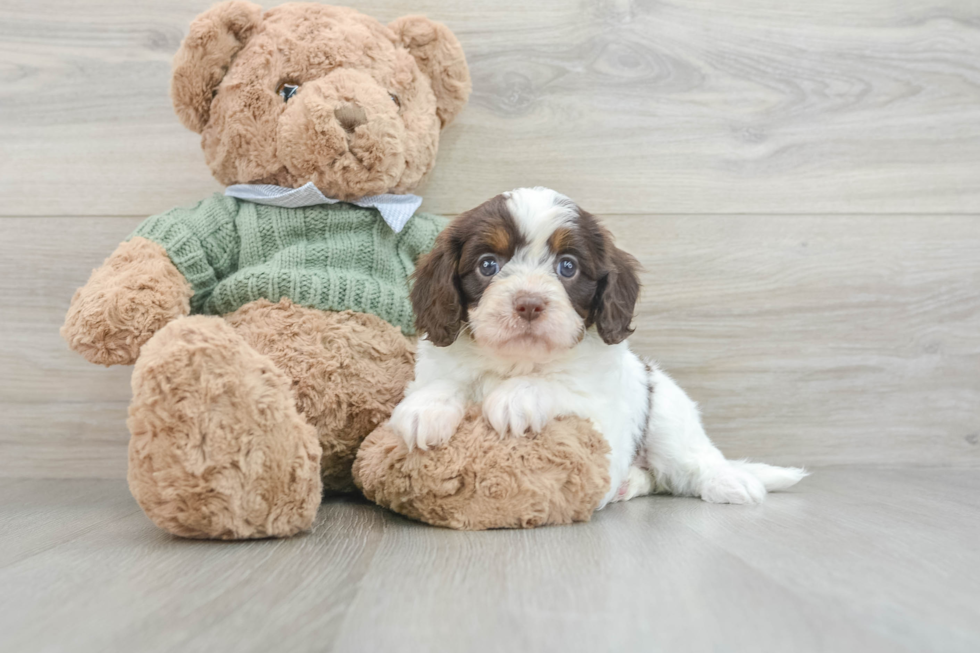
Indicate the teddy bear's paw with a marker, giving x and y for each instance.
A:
(518, 406)
(427, 418)
(135, 292)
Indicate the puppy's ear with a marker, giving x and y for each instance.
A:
(616, 294)
(440, 57)
(435, 293)
(213, 40)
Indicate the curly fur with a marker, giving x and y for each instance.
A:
(132, 295)
(407, 81)
(218, 449)
(348, 371)
(477, 481)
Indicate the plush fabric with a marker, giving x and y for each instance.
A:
(135, 292)
(347, 371)
(407, 81)
(478, 481)
(333, 257)
(218, 448)
(243, 412)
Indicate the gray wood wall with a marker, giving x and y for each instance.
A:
(801, 181)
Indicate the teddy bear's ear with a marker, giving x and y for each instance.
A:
(214, 38)
(440, 56)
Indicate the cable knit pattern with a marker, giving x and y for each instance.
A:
(332, 256)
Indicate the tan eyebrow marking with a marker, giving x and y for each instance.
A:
(561, 239)
(498, 239)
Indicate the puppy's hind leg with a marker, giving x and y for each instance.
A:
(684, 461)
(638, 483)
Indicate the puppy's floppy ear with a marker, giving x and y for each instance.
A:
(616, 294)
(213, 40)
(435, 294)
(441, 58)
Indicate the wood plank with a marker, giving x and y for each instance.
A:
(635, 107)
(852, 559)
(827, 567)
(75, 439)
(807, 340)
(36, 516)
(819, 339)
(125, 583)
(884, 549)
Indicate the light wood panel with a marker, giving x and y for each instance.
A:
(633, 107)
(806, 339)
(851, 560)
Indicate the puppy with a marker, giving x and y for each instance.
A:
(526, 304)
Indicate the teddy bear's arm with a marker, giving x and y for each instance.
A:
(166, 270)
(135, 292)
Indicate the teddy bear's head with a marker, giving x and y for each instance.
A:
(314, 93)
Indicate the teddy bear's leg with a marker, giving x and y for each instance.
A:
(348, 370)
(218, 449)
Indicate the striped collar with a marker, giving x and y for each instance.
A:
(394, 209)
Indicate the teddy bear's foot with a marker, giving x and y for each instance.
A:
(218, 449)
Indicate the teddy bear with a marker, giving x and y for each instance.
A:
(270, 326)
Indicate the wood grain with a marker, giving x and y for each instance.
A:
(845, 562)
(853, 559)
(632, 107)
(806, 339)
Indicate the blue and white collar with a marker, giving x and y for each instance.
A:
(394, 209)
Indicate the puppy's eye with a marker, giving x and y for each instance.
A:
(488, 265)
(287, 90)
(567, 267)
(395, 99)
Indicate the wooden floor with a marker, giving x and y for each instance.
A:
(854, 559)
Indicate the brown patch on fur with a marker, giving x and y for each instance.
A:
(607, 286)
(347, 370)
(435, 295)
(478, 481)
(562, 240)
(446, 281)
(498, 239)
(218, 449)
(228, 70)
(616, 295)
(131, 296)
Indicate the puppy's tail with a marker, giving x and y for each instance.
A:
(774, 478)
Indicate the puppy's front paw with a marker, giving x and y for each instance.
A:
(425, 422)
(728, 484)
(517, 406)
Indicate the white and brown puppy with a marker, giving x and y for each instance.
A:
(526, 304)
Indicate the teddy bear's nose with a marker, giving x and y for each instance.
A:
(350, 116)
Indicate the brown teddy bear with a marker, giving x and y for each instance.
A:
(271, 327)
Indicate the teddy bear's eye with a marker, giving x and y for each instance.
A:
(395, 99)
(287, 90)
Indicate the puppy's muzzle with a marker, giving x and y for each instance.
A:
(529, 307)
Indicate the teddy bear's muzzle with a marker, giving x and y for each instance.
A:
(343, 132)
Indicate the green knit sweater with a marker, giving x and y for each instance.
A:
(330, 256)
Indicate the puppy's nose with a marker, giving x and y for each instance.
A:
(529, 307)
(350, 116)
